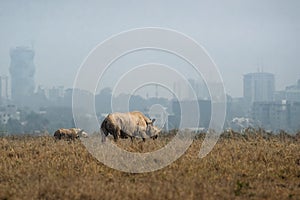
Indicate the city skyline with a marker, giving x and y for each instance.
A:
(179, 87)
(274, 111)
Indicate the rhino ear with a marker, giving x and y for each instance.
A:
(80, 131)
(149, 122)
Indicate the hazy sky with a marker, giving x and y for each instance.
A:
(240, 35)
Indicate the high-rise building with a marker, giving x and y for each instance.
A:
(4, 93)
(294, 116)
(259, 87)
(191, 89)
(277, 115)
(56, 93)
(291, 93)
(22, 72)
(260, 113)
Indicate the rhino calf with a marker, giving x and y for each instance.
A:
(69, 134)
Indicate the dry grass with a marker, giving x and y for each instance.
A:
(251, 166)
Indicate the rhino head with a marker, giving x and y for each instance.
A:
(152, 131)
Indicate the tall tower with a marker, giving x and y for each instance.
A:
(259, 86)
(22, 72)
(1, 91)
(4, 87)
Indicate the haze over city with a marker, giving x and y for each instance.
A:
(116, 99)
(240, 36)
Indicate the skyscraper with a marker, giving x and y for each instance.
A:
(22, 72)
(4, 87)
(259, 87)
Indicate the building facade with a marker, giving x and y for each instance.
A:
(4, 89)
(277, 115)
(22, 70)
(280, 115)
(190, 114)
(260, 113)
(259, 87)
(8, 112)
(292, 93)
(295, 116)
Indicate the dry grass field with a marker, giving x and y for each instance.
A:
(248, 166)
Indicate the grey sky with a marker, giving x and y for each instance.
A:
(240, 36)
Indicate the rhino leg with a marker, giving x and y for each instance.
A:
(154, 137)
(116, 133)
(143, 135)
(104, 134)
(123, 135)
